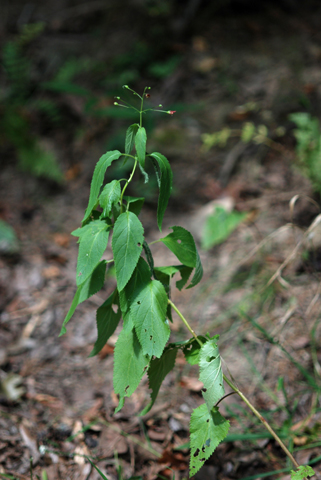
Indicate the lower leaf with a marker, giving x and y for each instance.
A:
(130, 364)
(91, 286)
(107, 321)
(208, 429)
(159, 368)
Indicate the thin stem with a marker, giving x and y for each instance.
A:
(240, 394)
(187, 325)
(141, 108)
(128, 105)
(126, 184)
(262, 419)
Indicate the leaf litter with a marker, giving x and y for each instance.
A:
(66, 392)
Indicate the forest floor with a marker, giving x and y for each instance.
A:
(260, 290)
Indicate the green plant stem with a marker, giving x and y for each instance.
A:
(240, 394)
(126, 185)
(262, 419)
(187, 325)
(141, 109)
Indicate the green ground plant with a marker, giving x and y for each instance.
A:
(308, 148)
(142, 298)
(17, 103)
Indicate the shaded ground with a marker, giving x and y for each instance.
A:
(271, 58)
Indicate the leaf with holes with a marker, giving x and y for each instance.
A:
(207, 430)
(302, 472)
(181, 243)
(158, 369)
(109, 197)
(148, 312)
(192, 350)
(164, 275)
(130, 364)
(92, 244)
(127, 245)
(140, 144)
(92, 285)
(98, 178)
(130, 138)
(138, 281)
(165, 182)
(211, 373)
(107, 321)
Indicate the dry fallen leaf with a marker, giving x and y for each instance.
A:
(191, 383)
(51, 272)
(62, 239)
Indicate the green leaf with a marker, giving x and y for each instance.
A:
(98, 177)
(127, 245)
(134, 204)
(158, 369)
(96, 468)
(192, 350)
(164, 274)
(219, 226)
(207, 430)
(107, 321)
(302, 472)
(145, 174)
(165, 180)
(149, 257)
(198, 274)
(130, 364)
(211, 373)
(181, 243)
(8, 239)
(148, 312)
(109, 197)
(130, 137)
(139, 280)
(91, 286)
(185, 273)
(140, 144)
(93, 242)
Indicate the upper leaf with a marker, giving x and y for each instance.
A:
(98, 177)
(134, 204)
(158, 369)
(130, 364)
(107, 321)
(211, 373)
(165, 181)
(93, 242)
(181, 243)
(127, 245)
(140, 144)
(207, 430)
(91, 286)
(109, 197)
(130, 137)
(148, 312)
